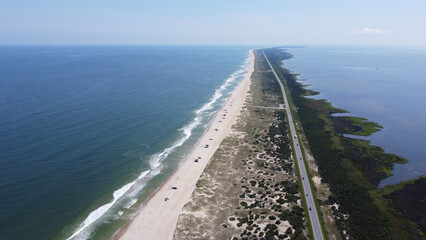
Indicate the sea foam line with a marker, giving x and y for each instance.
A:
(99, 212)
(156, 160)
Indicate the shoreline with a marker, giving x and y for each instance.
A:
(361, 165)
(158, 214)
(249, 190)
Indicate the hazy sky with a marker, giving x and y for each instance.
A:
(213, 22)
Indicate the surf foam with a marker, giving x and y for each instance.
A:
(99, 212)
(156, 161)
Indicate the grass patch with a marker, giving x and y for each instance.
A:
(355, 126)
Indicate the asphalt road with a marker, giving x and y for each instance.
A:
(313, 214)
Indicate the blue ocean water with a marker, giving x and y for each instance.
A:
(86, 131)
(386, 84)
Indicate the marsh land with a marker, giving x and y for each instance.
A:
(251, 187)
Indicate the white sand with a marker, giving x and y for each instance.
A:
(157, 218)
(317, 181)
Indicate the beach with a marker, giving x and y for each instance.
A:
(158, 215)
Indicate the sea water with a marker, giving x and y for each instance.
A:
(88, 132)
(386, 84)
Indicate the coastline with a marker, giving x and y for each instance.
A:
(157, 218)
(359, 164)
(250, 176)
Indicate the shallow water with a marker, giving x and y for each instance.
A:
(387, 85)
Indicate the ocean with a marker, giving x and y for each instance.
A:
(88, 132)
(386, 84)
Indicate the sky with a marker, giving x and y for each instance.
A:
(231, 22)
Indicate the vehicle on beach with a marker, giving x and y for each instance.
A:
(207, 146)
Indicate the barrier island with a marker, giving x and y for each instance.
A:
(251, 187)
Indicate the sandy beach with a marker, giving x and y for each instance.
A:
(159, 214)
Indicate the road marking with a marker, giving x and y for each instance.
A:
(307, 191)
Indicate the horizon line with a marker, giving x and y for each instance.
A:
(195, 44)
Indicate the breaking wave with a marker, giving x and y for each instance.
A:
(130, 189)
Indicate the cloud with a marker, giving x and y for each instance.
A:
(369, 31)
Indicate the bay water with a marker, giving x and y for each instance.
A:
(386, 84)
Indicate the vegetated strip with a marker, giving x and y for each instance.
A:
(250, 188)
(306, 188)
(351, 167)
